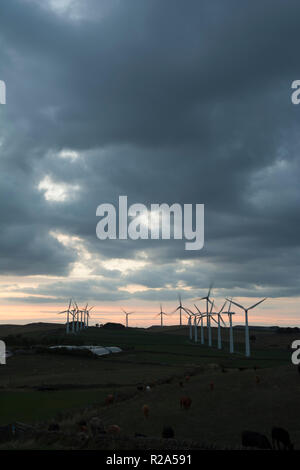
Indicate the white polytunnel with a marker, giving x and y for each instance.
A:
(97, 350)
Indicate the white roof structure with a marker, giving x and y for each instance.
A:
(114, 349)
(97, 350)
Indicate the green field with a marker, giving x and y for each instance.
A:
(161, 358)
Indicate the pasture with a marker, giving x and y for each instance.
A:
(77, 386)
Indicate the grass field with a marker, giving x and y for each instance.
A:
(161, 358)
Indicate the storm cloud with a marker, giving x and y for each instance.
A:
(162, 101)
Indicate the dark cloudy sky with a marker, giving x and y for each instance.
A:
(162, 101)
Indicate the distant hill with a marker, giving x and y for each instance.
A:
(30, 328)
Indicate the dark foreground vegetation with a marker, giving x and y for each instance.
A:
(162, 392)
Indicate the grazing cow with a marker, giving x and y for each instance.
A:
(187, 378)
(180, 384)
(168, 432)
(109, 400)
(114, 429)
(83, 426)
(255, 439)
(140, 388)
(96, 425)
(146, 411)
(148, 388)
(185, 402)
(281, 436)
(257, 379)
(212, 386)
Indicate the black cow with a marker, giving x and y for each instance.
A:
(281, 436)
(255, 439)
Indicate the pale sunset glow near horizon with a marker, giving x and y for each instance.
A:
(272, 313)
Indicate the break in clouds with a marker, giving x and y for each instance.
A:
(174, 102)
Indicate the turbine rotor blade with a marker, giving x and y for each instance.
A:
(198, 309)
(235, 303)
(255, 305)
(223, 306)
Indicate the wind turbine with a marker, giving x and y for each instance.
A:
(127, 314)
(76, 315)
(161, 314)
(201, 316)
(220, 319)
(81, 311)
(229, 313)
(247, 341)
(84, 316)
(68, 312)
(180, 308)
(88, 315)
(190, 324)
(195, 315)
(208, 314)
(189, 314)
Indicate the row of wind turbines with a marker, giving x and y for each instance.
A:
(198, 317)
(211, 314)
(80, 317)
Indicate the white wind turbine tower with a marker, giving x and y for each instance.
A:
(86, 315)
(247, 341)
(200, 319)
(76, 315)
(230, 313)
(87, 311)
(81, 322)
(161, 314)
(68, 312)
(190, 325)
(195, 316)
(73, 313)
(127, 315)
(208, 319)
(180, 308)
(220, 319)
(208, 314)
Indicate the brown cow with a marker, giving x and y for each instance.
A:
(114, 429)
(146, 411)
(83, 426)
(185, 402)
(109, 400)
